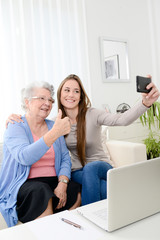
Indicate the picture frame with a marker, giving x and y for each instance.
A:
(114, 60)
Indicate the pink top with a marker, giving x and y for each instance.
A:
(45, 166)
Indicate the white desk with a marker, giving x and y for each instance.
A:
(145, 229)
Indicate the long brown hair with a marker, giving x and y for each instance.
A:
(81, 117)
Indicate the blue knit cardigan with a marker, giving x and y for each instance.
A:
(19, 153)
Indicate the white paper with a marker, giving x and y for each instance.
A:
(52, 227)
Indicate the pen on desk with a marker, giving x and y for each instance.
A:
(71, 223)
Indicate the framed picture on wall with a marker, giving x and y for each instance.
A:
(112, 67)
(114, 60)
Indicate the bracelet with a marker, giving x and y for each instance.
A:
(63, 180)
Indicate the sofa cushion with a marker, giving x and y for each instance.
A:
(104, 140)
(125, 153)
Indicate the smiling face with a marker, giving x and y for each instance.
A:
(40, 103)
(70, 94)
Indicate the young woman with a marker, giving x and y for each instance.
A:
(89, 161)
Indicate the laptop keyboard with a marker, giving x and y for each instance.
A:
(102, 213)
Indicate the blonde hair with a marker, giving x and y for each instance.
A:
(84, 104)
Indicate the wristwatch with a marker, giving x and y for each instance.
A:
(63, 180)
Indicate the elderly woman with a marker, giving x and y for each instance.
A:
(36, 168)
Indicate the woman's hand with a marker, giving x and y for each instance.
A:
(149, 98)
(13, 117)
(62, 126)
(61, 192)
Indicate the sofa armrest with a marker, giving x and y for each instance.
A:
(126, 153)
(3, 223)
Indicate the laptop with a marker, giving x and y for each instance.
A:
(133, 193)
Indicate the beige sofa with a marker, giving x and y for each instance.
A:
(120, 153)
(123, 153)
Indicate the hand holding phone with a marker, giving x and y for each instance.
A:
(142, 83)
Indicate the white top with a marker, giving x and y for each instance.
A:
(94, 120)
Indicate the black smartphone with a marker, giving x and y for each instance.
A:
(142, 83)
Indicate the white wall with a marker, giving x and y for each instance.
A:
(137, 22)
